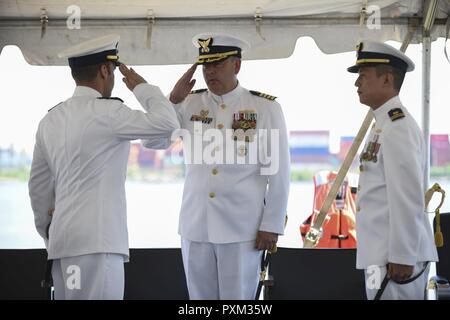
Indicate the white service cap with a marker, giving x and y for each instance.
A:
(371, 53)
(93, 51)
(215, 47)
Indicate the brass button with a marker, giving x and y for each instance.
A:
(220, 126)
(212, 195)
(215, 171)
(358, 209)
(217, 148)
(223, 106)
(242, 151)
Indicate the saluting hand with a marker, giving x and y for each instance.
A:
(400, 272)
(131, 78)
(183, 86)
(265, 240)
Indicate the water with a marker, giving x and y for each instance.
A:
(153, 210)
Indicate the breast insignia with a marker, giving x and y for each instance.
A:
(262, 95)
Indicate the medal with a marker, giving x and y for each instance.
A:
(203, 117)
(244, 125)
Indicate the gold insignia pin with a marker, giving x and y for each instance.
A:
(205, 44)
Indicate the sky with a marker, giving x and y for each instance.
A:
(314, 89)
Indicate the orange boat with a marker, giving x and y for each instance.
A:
(338, 230)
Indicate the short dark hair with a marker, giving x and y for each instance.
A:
(87, 73)
(398, 74)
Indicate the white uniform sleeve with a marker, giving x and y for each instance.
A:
(278, 174)
(41, 190)
(403, 168)
(158, 122)
(165, 142)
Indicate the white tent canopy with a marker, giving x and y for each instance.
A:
(160, 31)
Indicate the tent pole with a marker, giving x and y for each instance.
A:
(426, 72)
(428, 22)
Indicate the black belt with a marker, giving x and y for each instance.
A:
(386, 280)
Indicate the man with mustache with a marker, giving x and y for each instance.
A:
(395, 240)
(231, 210)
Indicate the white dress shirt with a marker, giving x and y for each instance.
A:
(230, 202)
(79, 168)
(391, 222)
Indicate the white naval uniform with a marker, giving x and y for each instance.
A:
(226, 204)
(79, 169)
(98, 276)
(414, 290)
(391, 222)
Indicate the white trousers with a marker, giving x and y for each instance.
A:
(411, 291)
(97, 276)
(221, 271)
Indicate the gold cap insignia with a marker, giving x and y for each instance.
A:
(205, 44)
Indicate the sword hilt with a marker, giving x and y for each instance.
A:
(311, 238)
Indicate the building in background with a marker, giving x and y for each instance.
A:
(310, 149)
(143, 158)
(10, 158)
(439, 150)
(344, 147)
